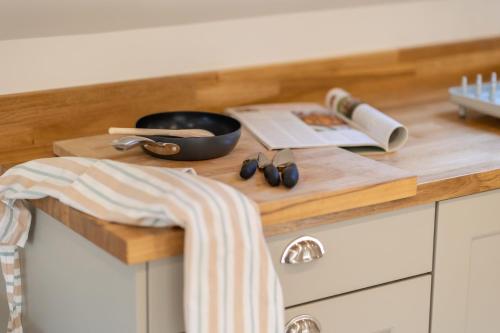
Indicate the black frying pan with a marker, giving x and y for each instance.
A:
(226, 132)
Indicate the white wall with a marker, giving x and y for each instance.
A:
(41, 18)
(52, 62)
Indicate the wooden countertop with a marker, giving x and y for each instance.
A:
(451, 157)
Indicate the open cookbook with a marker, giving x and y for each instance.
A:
(343, 122)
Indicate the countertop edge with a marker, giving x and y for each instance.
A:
(169, 242)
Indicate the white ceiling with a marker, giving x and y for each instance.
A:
(37, 18)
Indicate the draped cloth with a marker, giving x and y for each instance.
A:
(230, 284)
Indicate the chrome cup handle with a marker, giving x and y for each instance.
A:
(303, 324)
(303, 250)
(160, 148)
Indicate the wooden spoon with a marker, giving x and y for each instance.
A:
(180, 133)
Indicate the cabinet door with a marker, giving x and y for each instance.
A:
(467, 265)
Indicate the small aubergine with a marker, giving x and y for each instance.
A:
(290, 175)
(248, 168)
(272, 175)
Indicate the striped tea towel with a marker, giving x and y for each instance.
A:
(230, 282)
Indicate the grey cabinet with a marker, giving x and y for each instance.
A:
(467, 265)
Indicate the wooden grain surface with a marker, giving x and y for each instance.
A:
(32, 121)
(331, 180)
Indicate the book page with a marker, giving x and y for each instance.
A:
(276, 127)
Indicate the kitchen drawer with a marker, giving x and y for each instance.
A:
(400, 307)
(359, 253)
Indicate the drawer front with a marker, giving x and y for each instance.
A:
(400, 307)
(359, 253)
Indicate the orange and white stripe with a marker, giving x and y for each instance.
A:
(230, 282)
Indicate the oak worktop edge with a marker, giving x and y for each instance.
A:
(172, 239)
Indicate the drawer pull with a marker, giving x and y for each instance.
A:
(303, 324)
(303, 250)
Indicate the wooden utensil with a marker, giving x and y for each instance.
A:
(180, 133)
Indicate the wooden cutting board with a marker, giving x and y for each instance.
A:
(331, 179)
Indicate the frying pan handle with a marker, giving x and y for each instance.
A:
(160, 148)
(129, 142)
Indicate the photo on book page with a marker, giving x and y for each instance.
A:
(335, 130)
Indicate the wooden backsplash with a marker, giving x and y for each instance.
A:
(32, 121)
